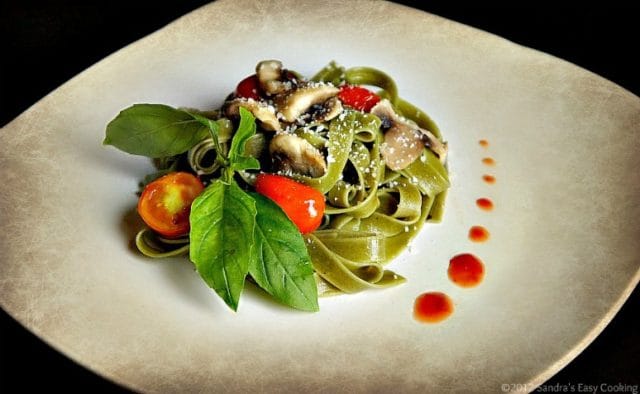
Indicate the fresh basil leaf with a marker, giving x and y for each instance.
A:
(212, 125)
(246, 129)
(154, 130)
(222, 236)
(245, 163)
(282, 266)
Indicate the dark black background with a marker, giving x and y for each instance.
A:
(44, 43)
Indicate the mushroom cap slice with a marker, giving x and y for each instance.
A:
(404, 140)
(269, 74)
(294, 154)
(268, 70)
(263, 112)
(402, 145)
(294, 104)
(330, 109)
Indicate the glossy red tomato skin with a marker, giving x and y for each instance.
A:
(249, 88)
(358, 97)
(303, 204)
(165, 204)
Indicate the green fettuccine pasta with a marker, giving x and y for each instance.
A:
(372, 211)
(372, 220)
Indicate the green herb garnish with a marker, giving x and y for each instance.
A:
(233, 233)
(154, 130)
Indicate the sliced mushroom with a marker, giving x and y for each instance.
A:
(294, 104)
(404, 140)
(402, 145)
(269, 74)
(329, 110)
(294, 154)
(262, 111)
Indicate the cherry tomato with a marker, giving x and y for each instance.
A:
(304, 205)
(249, 88)
(165, 203)
(358, 97)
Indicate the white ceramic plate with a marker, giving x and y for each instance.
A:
(561, 260)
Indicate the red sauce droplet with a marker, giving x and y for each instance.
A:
(432, 307)
(489, 178)
(478, 234)
(483, 143)
(489, 161)
(466, 270)
(485, 204)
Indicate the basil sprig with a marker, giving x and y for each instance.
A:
(233, 233)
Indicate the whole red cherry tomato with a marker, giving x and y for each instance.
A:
(303, 204)
(249, 88)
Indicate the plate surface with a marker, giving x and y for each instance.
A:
(561, 260)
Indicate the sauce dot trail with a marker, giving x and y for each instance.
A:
(465, 269)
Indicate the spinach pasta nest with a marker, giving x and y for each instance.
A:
(356, 173)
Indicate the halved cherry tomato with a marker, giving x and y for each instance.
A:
(165, 203)
(358, 97)
(304, 205)
(249, 88)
